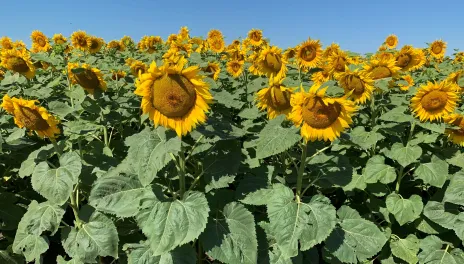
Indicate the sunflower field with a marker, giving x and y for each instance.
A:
(190, 150)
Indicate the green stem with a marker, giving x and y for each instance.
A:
(75, 206)
(200, 253)
(105, 135)
(299, 179)
(400, 177)
(194, 146)
(373, 112)
(182, 173)
(413, 125)
(55, 146)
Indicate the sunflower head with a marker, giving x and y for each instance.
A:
(309, 54)
(6, 43)
(357, 85)
(138, 67)
(409, 58)
(456, 135)
(334, 47)
(79, 40)
(455, 77)
(35, 118)
(255, 37)
(212, 70)
(39, 42)
(322, 76)
(271, 62)
(391, 41)
(127, 41)
(409, 83)
(275, 99)
(172, 38)
(214, 33)
(235, 68)
(320, 117)
(117, 75)
(434, 100)
(290, 53)
(437, 49)
(94, 44)
(382, 67)
(59, 39)
(216, 44)
(91, 79)
(184, 33)
(18, 61)
(174, 97)
(338, 60)
(115, 45)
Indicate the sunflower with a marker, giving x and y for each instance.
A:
(91, 79)
(200, 44)
(2, 74)
(455, 135)
(255, 37)
(129, 61)
(455, 77)
(391, 41)
(334, 47)
(321, 77)
(174, 97)
(309, 54)
(39, 42)
(94, 44)
(212, 70)
(214, 33)
(138, 67)
(149, 43)
(172, 38)
(6, 43)
(254, 67)
(458, 57)
(35, 118)
(409, 58)
(126, 41)
(383, 55)
(216, 45)
(382, 48)
(235, 68)
(275, 99)
(320, 117)
(18, 61)
(236, 53)
(437, 49)
(337, 61)
(117, 75)
(383, 67)
(357, 85)
(271, 62)
(173, 57)
(184, 33)
(59, 39)
(409, 83)
(116, 45)
(434, 100)
(79, 40)
(290, 53)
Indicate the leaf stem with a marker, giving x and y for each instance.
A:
(299, 179)
(75, 206)
(401, 172)
(182, 173)
(55, 146)
(194, 146)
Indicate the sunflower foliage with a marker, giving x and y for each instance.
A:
(188, 150)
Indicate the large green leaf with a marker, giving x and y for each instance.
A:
(405, 249)
(404, 155)
(291, 221)
(61, 260)
(397, 115)
(434, 173)
(36, 156)
(364, 139)
(142, 254)
(437, 213)
(169, 224)
(31, 246)
(355, 239)
(404, 210)
(274, 138)
(56, 185)
(441, 256)
(149, 151)
(97, 237)
(230, 235)
(455, 191)
(376, 170)
(40, 218)
(118, 194)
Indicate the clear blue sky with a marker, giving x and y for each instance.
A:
(359, 26)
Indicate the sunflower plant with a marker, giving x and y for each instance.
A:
(194, 150)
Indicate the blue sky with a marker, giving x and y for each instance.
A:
(359, 26)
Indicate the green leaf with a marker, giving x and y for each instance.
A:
(56, 185)
(404, 210)
(364, 139)
(397, 115)
(40, 218)
(149, 151)
(274, 138)
(60, 109)
(455, 191)
(227, 99)
(97, 237)
(376, 170)
(405, 249)
(404, 155)
(446, 215)
(60, 260)
(457, 160)
(31, 246)
(309, 223)
(250, 113)
(442, 256)
(435, 127)
(355, 239)
(142, 254)
(7, 258)
(169, 224)
(230, 236)
(434, 173)
(357, 182)
(118, 194)
(425, 225)
(28, 166)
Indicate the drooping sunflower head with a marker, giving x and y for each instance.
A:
(320, 117)
(271, 62)
(309, 54)
(150, 43)
(214, 33)
(334, 47)
(290, 53)
(455, 77)
(338, 60)
(94, 44)
(275, 99)
(409, 83)
(383, 67)
(184, 33)
(458, 57)
(216, 44)
(59, 39)
(437, 49)
(382, 48)
(6, 43)
(91, 79)
(172, 38)
(391, 41)
(115, 45)
(127, 41)
(455, 135)
(117, 74)
(79, 40)
(212, 70)
(18, 61)
(138, 67)
(409, 58)
(434, 100)
(174, 97)
(357, 85)
(255, 37)
(39, 42)
(235, 68)
(32, 117)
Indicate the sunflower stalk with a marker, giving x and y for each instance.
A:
(75, 206)
(401, 173)
(299, 179)
(56, 147)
